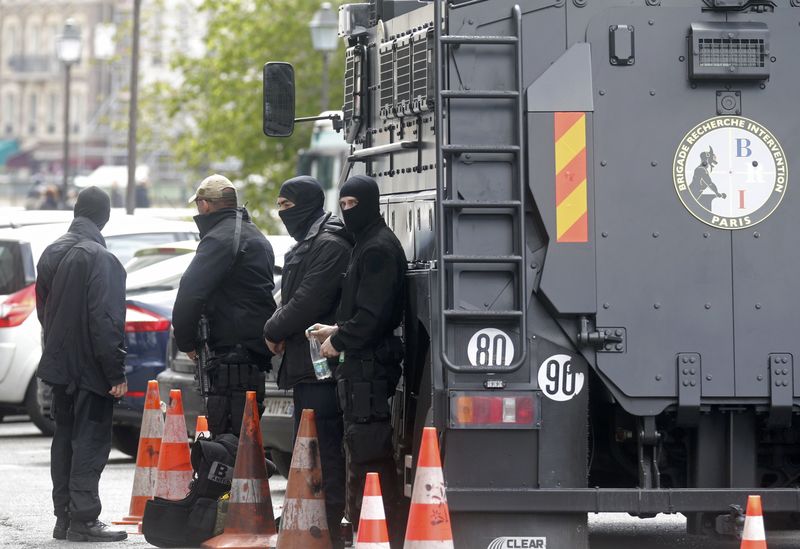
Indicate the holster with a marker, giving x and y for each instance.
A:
(367, 379)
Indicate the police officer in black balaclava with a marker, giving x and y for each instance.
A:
(310, 290)
(370, 309)
(80, 302)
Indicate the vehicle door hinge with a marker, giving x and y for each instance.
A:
(604, 340)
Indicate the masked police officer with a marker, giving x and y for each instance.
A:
(80, 301)
(230, 281)
(310, 289)
(370, 309)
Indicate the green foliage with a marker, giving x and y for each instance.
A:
(216, 112)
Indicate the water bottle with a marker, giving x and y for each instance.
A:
(321, 368)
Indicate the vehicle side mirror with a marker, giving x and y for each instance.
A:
(278, 99)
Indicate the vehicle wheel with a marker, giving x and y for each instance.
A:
(282, 460)
(125, 439)
(34, 409)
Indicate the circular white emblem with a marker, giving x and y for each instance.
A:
(490, 347)
(557, 379)
(730, 172)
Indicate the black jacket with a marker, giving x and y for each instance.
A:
(234, 291)
(80, 301)
(372, 300)
(310, 288)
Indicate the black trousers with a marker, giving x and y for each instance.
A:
(79, 453)
(228, 394)
(321, 397)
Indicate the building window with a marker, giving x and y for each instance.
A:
(33, 113)
(9, 113)
(10, 45)
(52, 108)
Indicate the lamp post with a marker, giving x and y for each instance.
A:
(324, 26)
(68, 50)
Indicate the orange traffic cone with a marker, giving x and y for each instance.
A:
(753, 536)
(144, 478)
(201, 428)
(429, 517)
(174, 463)
(372, 531)
(304, 523)
(250, 522)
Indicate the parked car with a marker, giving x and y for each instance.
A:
(144, 257)
(20, 331)
(276, 423)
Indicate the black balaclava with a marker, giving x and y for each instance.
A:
(308, 198)
(95, 204)
(368, 209)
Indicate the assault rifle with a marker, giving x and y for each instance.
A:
(203, 357)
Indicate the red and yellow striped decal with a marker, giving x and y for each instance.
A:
(572, 222)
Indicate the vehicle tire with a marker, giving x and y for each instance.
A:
(282, 460)
(34, 409)
(125, 439)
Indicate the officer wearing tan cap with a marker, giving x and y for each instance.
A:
(230, 281)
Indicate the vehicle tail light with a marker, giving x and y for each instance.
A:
(17, 307)
(138, 319)
(493, 411)
(135, 394)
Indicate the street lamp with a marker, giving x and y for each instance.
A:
(324, 26)
(68, 50)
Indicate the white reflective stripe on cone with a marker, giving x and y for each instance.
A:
(425, 544)
(753, 529)
(173, 484)
(174, 430)
(248, 490)
(302, 455)
(429, 486)
(302, 514)
(152, 424)
(372, 545)
(144, 481)
(372, 508)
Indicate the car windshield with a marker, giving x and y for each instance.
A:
(162, 276)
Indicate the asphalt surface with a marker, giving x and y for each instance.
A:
(26, 518)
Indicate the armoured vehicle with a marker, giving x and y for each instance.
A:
(595, 200)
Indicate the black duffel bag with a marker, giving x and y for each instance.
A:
(190, 521)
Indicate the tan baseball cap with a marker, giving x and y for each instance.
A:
(211, 187)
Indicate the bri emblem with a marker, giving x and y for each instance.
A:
(730, 172)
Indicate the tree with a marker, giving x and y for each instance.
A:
(217, 109)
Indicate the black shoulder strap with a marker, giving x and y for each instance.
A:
(237, 236)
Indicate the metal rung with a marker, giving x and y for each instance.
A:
(456, 39)
(455, 313)
(451, 258)
(481, 204)
(480, 94)
(458, 149)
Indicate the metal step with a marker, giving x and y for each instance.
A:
(457, 39)
(459, 313)
(452, 258)
(488, 204)
(479, 94)
(460, 149)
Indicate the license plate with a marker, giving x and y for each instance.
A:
(280, 407)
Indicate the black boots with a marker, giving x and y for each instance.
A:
(60, 529)
(93, 531)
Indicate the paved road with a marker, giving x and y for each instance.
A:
(26, 519)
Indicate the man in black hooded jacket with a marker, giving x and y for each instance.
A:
(310, 289)
(370, 309)
(80, 301)
(230, 281)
